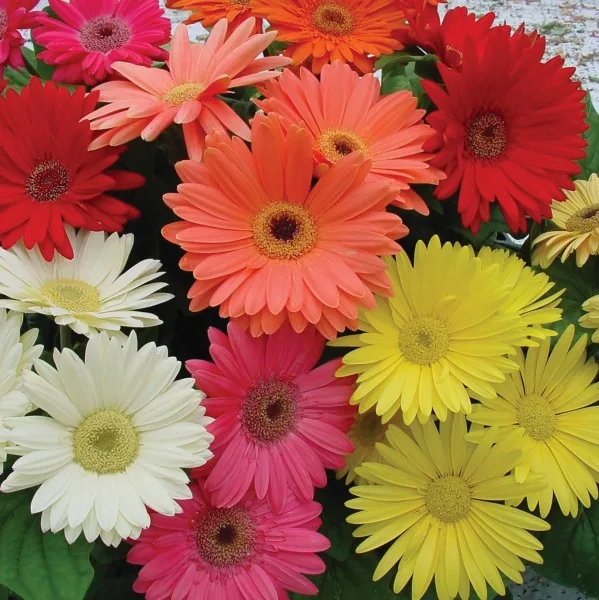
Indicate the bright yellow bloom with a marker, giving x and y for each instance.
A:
(446, 331)
(577, 219)
(549, 400)
(591, 319)
(435, 498)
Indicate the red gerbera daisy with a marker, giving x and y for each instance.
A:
(3, 84)
(15, 15)
(510, 129)
(279, 421)
(47, 175)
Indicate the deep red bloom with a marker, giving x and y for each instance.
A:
(15, 15)
(3, 84)
(47, 175)
(509, 128)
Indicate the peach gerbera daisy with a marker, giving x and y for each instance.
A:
(209, 12)
(353, 31)
(344, 113)
(269, 247)
(151, 99)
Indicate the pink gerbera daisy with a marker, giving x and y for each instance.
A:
(278, 421)
(15, 15)
(244, 552)
(88, 36)
(150, 99)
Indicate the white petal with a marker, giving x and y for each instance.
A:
(82, 498)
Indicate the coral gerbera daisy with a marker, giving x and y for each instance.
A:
(244, 552)
(445, 332)
(352, 31)
(510, 129)
(48, 177)
(267, 246)
(577, 220)
(279, 421)
(344, 113)
(208, 12)
(85, 37)
(15, 15)
(149, 99)
(438, 498)
(89, 293)
(549, 399)
(118, 433)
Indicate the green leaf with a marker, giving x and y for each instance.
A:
(403, 58)
(404, 78)
(3, 593)
(36, 565)
(590, 164)
(17, 79)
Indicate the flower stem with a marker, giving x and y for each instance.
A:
(66, 339)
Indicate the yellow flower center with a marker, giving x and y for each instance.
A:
(73, 295)
(448, 498)
(334, 19)
(424, 340)
(584, 220)
(106, 442)
(334, 144)
(284, 231)
(486, 135)
(183, 92)
(537, 417)
(369, 428)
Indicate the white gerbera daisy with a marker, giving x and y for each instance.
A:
(119, 432)
(89, 293)
(17, 353)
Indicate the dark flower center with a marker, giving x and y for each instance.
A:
(283, 227)
(333, 19)
(486, 135)
(584, 220)
(47, 181)
(103, 34)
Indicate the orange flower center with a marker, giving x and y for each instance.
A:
(103, 34)
(334, 144)
(284, 231)
(486, 135)
(240, 2)
(584, 220)
(47, 181)
(334, 19)
(183, 92)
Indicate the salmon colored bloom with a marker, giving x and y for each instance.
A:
(209, 12)
(15, 15)
(269, 247)
(352, 31)
(344, 113)
(149, 99)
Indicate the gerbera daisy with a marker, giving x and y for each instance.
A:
(577, 219)
(17, 353)
(15, 15)
(47, 176)
(89, 293)
(208, 12)
(268, 247)
(352, 31)
(244, 552)
(549, 400)
(445, 332)
(86, 37)
(591, 319)
(148, 100)
(344, 113)
(279, 421)
(436, 497)
(510, 129)
(119, 432)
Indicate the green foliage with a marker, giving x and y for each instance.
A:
(590, 164)
(17, 79)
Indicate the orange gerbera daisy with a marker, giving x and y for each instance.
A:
(344, 113)
(209, 12)
(269, 247)
(353, 31)
(149, 99)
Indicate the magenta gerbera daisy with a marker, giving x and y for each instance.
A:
(15, 15)
(244, 552)
(87, 36)
(279, 422)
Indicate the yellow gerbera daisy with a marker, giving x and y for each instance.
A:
(577, 219)
(549, 400)
(452, 320)
(591, 319)
(436, 498)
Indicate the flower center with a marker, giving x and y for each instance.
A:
(269, 410)
(47, 181)
(183, 92)
(103, 34)
(584, 220)
(448, 498)
(453, 56)
(3, 23)
(486, 135)
(423, 340)
(284, 231)
(537, 417)
(106, 442)
(73, 295)
(333, 19)
(334, 144)
(225, 536)
(369, 428)
(240, 2)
